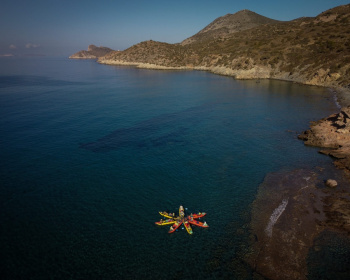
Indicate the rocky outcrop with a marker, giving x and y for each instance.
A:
(93, 52)
(332, 133)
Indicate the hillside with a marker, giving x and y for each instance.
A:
(313, 51)
(228, 24)
(93, 52)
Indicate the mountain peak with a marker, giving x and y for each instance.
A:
(229, 23)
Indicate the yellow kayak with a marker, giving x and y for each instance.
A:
(167, 215)
(176, 221)
(188, 227)
(181, 212)
(165, 222)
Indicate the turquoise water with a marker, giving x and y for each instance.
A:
(90, 153)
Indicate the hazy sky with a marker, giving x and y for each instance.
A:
(62, 27)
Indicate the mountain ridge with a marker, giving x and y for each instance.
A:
(308, 50)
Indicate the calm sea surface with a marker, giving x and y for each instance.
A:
(90, 153)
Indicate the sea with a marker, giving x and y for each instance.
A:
(91, 153)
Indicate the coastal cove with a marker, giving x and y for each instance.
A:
(317, 220)
(92, 152)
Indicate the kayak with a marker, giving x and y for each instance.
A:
(165, 222)
(181, 212)
(188, 227)
(177, 221)
(175, 226)
(197, 223)
(199, 215)
(167, 215)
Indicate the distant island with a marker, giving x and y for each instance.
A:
(93, 52)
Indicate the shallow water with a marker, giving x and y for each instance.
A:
(91, 153)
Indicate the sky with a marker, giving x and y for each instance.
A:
(63, 27)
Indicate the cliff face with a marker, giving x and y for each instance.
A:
(93, 52)
(313, 51)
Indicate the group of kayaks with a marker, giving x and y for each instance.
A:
(176, 222)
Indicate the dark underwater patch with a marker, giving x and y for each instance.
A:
(158, 131)
(29, 80)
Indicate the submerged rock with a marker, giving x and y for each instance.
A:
(331, 183)
(291, 209)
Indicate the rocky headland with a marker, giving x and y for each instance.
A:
(93, 52)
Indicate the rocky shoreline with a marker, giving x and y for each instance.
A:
(333, 135)
(298, 216)
(253, 73)
(323, 77)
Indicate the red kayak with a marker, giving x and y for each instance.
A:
(196, 223)
(199, 215)
(175, 226)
